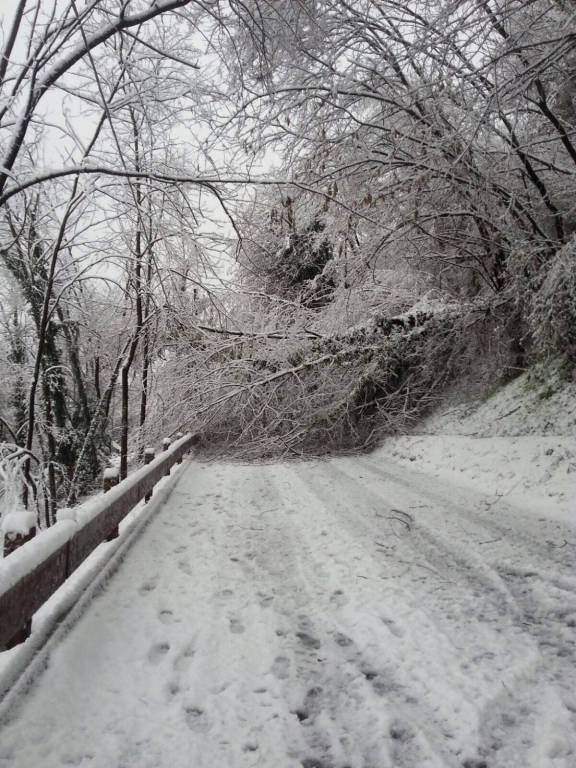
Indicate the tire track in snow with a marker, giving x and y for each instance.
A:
(276, 616)
(310, 669)
(540, 671)
(366, 632)
(414, 733)
(515, 530)
(540, 581)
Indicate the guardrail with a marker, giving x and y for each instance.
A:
(33, 572)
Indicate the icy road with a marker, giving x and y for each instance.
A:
(318, 615)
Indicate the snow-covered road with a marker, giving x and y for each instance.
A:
(320, 615)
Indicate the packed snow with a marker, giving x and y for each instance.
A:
(378, 611)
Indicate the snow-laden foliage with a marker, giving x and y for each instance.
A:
(430, 152)
(14, 518)
(269, 394)
(440, 134)
(552, 311)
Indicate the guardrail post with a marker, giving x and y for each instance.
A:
(148, 457)
(178, 436)
(14, 540)
(166, 443)
(111, 478)
(22, 634)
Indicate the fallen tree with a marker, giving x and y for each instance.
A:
(337, 393)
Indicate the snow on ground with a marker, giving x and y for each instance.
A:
(366, 612)
(518, 444)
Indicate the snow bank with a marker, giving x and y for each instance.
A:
(539, 402)
(518, 443)
(538, 473)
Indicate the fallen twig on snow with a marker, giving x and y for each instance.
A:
(557, 546)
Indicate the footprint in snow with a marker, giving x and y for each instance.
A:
(338, 598)
(342, 640)
(304, 622)
(383, 686)
(75, 759)
(281, 667)
(236, 626)
(184, 567)
(148, 586)
(312, 704)
(314, 762)
(184, 659)
(166, 616)
(381, 682)
(196, 719)
(405, 749)
(400, 731)
(308, 641)
(265, 600)
(392, 626)
(157, 652)
(173, 689)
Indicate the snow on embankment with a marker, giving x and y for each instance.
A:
(518, 443)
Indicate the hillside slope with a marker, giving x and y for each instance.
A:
(519, 442)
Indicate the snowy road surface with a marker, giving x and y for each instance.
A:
(318, 615)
